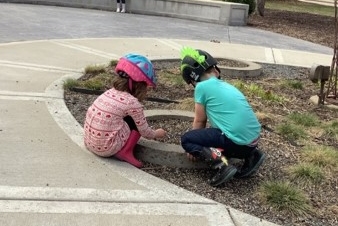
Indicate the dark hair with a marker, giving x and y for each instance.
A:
(139, 88)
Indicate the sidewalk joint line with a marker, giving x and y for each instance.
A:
(109, 201)
(86, 49)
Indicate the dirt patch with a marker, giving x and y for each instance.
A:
(310, 27)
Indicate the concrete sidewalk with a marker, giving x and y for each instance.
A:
(49, 178)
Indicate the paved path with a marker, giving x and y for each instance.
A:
(47, 176)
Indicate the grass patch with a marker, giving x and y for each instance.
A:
(257, 91)
(173, 79)
(322, 156)
(294, 84)
(113, 63)
(187, 104)
(332, 130)
(70, 83)
(306, 173)
(291, 131)
(301, 7)
(95, 69)
(99, 82)
(285, 197)
(304, 119)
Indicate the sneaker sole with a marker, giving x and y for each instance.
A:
(229, 176)
(255, 168)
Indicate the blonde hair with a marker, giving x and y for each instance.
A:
(139, 88)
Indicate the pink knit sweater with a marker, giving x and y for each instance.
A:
(105, 131)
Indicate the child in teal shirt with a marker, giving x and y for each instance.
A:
(234, 131)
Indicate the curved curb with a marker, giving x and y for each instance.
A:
(252, 70)
(165, 154)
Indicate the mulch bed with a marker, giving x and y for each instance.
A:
(281, 152)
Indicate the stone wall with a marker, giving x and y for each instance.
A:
(219, 12)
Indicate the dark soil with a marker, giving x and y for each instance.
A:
(281, 152)
(310, 27)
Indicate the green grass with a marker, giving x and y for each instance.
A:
(322, 156)
(99, 82)
(255, 90)
(113, 63)
(306, 173)
(304, 119)
(291, 131)
(173, 79)
(332, 130)
(95, 69)
(187, 104)
(294, 84)
(302, 7)
(285, 197)
(70, 83)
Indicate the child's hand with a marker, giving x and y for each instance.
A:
(191, 157)
(160, 133)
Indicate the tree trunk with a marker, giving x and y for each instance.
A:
(260, 7)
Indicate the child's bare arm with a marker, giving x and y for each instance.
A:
(200, 119)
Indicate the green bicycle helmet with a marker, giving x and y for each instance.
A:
(194, 63)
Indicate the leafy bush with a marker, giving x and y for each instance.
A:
(251, 3)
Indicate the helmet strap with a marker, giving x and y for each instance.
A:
(130, 85)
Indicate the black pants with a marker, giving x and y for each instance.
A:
(130, 121)
(193, 142)
(123, 1)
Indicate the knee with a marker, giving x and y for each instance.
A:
(184, 140)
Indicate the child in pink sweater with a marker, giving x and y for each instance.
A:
(115, 121)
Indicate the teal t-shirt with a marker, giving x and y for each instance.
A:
(228, 109)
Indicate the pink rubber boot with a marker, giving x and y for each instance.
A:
(127, 152)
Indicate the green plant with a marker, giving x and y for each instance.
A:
(332, 129)
(294, 84)
(174, 79)
(187, 104)
(256, 90)
(113, 63)
(291, 131)
(323, 156)
(304, 119)
(70, 83)
(239, 85)
(306, 173)
(285, 197)
(264, 94)
(98, 82)
(251, 3)
(95, 69)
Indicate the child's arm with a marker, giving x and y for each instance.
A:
(137, 113)
(200, 119)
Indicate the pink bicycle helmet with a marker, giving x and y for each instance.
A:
(136, 67)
